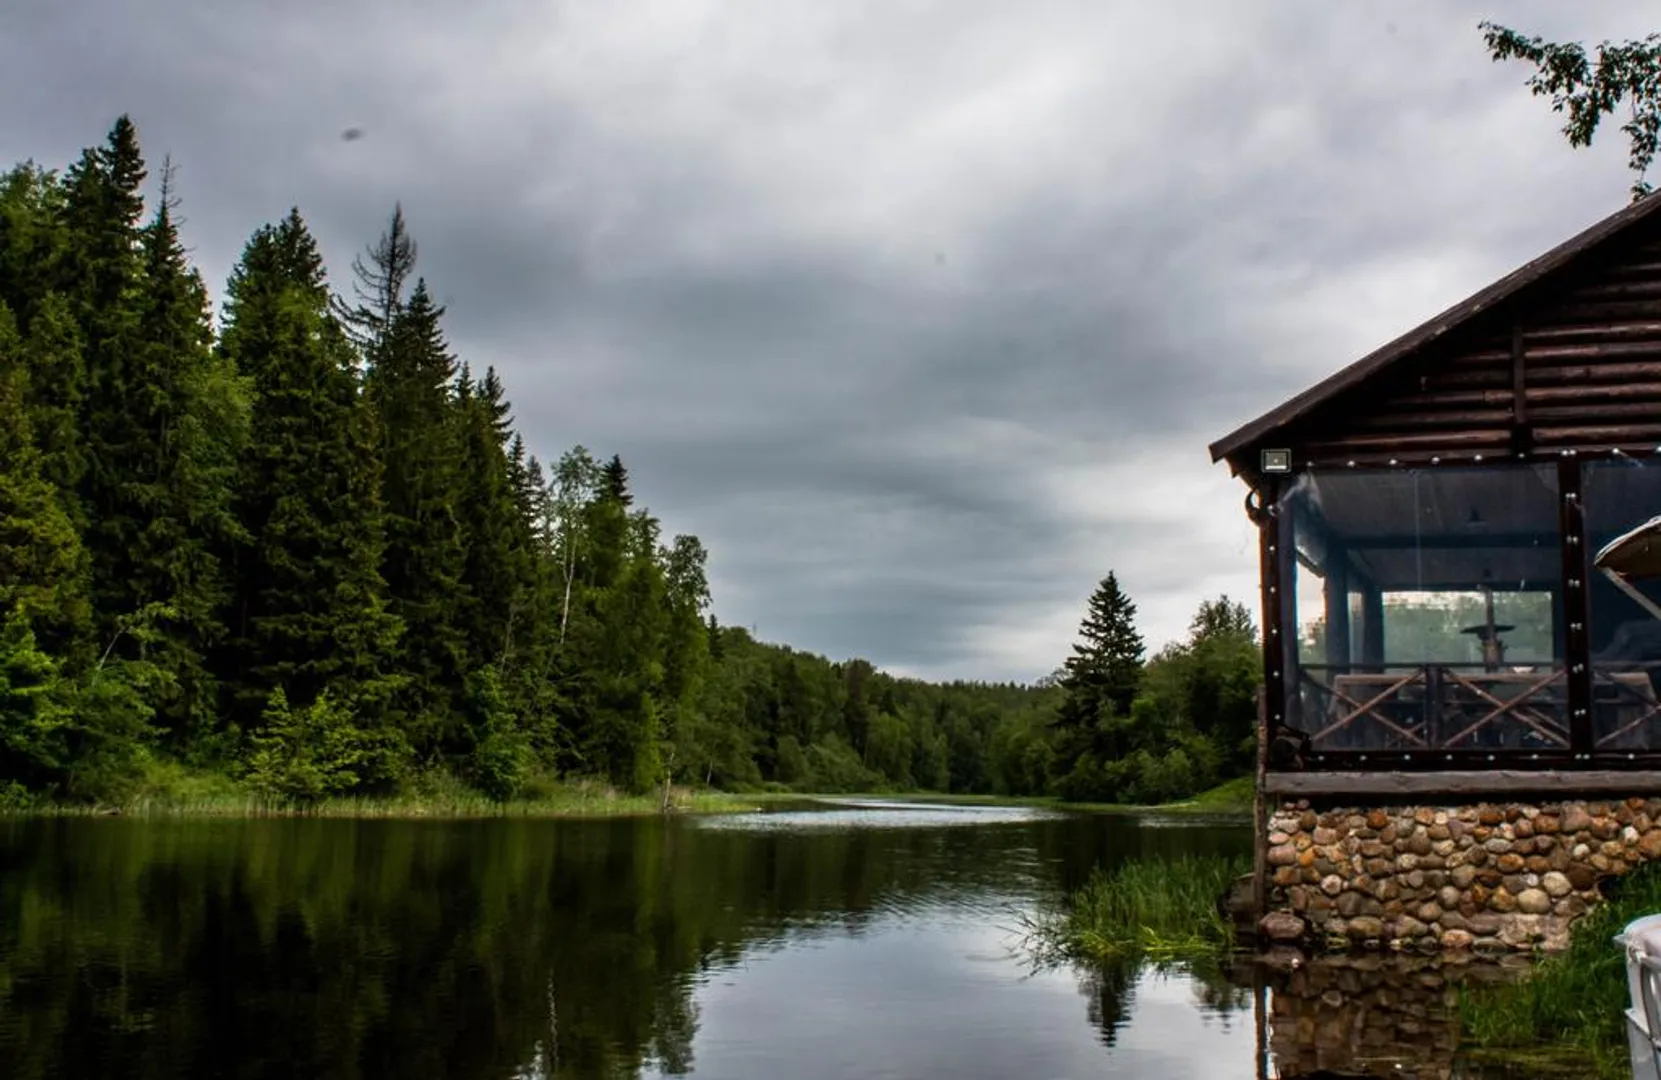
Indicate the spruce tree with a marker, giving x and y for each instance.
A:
(183, 433)
(1106, 666)
(614, 481)
(499, 575)
(310, 613)
(1100, 682)
(102, 276)
(34, 240)
(379, 285)
(410, 384)
(52, 354)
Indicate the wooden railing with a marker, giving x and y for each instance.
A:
(1466, 707)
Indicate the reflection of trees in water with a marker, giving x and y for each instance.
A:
(674, 1023)
(1222, 987)
(349, 950)
(1109, 990)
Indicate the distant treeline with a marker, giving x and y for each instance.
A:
(308, 549)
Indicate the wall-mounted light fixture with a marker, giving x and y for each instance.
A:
(1277, 461)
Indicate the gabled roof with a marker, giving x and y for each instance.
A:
(1557, 259)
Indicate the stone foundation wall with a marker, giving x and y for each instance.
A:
(1506, 876)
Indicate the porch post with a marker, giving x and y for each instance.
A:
(1271, 557)
(1337, 607)
(1576, 639)
(1372, 626)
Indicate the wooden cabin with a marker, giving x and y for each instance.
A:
(1461, 576)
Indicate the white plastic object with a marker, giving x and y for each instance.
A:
(1641, 941)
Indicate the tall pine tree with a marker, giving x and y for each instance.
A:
(102, 275)
(1106, 666)
(184, 431)
(410, 383)
(311, 611)
(1100, 682)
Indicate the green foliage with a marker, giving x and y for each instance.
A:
(303, 755)
(42, 563)
(1628, 72)
(111, 732)
(1576, 998)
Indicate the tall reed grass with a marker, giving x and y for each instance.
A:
(1160, 910)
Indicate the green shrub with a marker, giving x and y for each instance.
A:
(791, 768)
(833, 766)
(502, 758)
(15, 798)
(33, 719)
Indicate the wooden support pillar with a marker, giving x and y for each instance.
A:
(1559, 626)
(1337, 591)
(1372, 627)
(1260, 813)
(1577, 646)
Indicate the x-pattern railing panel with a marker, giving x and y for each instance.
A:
(1436, 696)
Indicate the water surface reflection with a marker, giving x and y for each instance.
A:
(837, 942)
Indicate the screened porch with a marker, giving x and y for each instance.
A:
(1437, 613)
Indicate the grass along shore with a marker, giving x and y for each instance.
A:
(170, 789)
(1573, 1002)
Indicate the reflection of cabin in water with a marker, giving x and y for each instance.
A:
(1443, 593)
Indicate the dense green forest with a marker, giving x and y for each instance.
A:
(302, 546)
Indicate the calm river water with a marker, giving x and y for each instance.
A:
(868, 941)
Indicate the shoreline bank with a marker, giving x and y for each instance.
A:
(580, 799)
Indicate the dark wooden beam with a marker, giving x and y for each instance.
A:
(1455, 542)
(1510, 782)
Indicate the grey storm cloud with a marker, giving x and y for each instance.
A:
(921, 315)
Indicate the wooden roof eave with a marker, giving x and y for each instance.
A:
(1435, 330)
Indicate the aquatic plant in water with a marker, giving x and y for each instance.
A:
(1152, 909)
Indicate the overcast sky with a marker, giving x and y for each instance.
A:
(920, 313)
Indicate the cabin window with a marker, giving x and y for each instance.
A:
(1622, 497)
(1423, 612)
